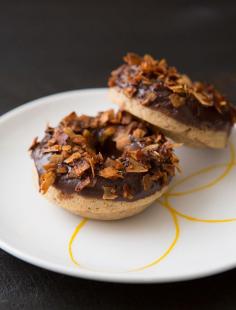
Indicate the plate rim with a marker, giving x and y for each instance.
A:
(82, 273)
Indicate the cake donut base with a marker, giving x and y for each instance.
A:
(100, 209)
(176, 130)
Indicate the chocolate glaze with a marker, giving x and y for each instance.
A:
(191, 113)
(67, 185)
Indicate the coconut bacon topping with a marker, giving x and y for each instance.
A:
(110, 146)
(155, 79)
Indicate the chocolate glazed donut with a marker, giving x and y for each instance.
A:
(189, 112)
(106, 167)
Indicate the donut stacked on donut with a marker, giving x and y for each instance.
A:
(106, 167)
(189, 112)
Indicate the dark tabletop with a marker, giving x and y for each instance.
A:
(52, 46)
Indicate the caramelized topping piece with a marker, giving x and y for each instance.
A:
(109, 193)
(110, 173)
(82, 184)
(46, 180)
(135, 166)
(127, 192)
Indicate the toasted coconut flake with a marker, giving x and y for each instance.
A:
(56, 158)
(147, 182)
(91, 166)
(82, 184)
(122, 141)
(59, 137)
(132, 59)
(130, 91)
(135, 166)
(151, 147)
(46, 180)
(66, 148)
(135, 154)
(109, 193)
(176, 100)
(73, 157)
(81, 167)
(69, 119)
(50, 166)
(110, 173)
(79, 139)
(86, 133)
(107, 132)
(61, 170)
(150, 97)
(203, 99)
(34, 144)
(106, 116)
(139, 133)
(127, 193)
(53, 149)
(115, 163)
(184, 80)
(52, 141)
(69, 132)
(177, 89)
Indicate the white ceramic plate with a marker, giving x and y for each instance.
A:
(190, 235)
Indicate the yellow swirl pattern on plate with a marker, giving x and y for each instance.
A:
(165, 202)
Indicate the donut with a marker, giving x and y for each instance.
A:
(189, 112)
(105, 167)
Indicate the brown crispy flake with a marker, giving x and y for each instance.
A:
(81, 167)
(132, 59)
(69, 132)
(122, 141)
(82, 184)
(151, 147)
(53, 149)
(69, 119)
(203, 99)
(177, 89)
(184, 80)
(109, 193)
(52, 141)
(34, 144)
(135, 154)
(176, 100)
(115, 163)
(147, 182)
(50, 166)
(106, 116)
(66, 148)
(150, 97)
(84, 121)
(106, 133)
(59, 137)
(135, 166)
(46, 180)
(127, 193)
(61, 170)
(56, 158)
(91, 163)
(86, 133)
(73, 157)
(110, 173)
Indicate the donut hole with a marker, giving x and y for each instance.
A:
(108, 148)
